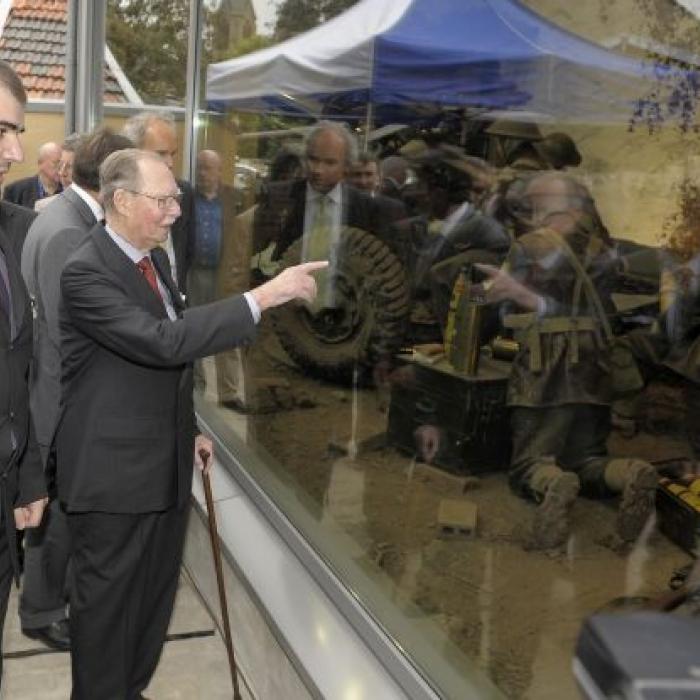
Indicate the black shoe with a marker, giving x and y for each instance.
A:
(56, 635)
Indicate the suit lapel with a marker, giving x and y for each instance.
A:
(296, 209)
(126, 271)
(162, 265)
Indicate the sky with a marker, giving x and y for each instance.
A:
(693, 6)
(265, 11)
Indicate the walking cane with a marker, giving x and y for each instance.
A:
(216, 554)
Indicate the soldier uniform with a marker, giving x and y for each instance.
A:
(560, 386)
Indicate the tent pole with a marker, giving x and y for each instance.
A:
(368, 124)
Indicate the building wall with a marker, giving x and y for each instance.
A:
(635, 176)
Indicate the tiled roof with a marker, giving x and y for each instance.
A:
(33, 41)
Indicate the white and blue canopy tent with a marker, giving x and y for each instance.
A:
(405, 58)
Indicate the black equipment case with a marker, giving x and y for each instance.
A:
(470, 412)
(639, 656)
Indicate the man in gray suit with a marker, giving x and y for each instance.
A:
(54, 235)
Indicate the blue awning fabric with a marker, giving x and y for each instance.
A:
(411, 56)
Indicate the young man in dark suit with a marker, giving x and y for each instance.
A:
(54, 236)
(127, 438)
(22, 487)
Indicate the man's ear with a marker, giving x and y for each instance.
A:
(122, 202)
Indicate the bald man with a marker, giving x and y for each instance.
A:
(214, 207)
(323, 200)
(45, 183)
(220, 262)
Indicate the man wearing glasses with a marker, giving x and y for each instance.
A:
(22, 487)
(127, 438)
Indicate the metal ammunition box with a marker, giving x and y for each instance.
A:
(469, 411)
(678, 518)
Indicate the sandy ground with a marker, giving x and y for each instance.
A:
(516, 613)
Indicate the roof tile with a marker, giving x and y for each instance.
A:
(34, 43)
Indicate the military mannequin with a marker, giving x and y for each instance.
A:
(560, 389)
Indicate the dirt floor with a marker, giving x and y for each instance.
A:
(515, 613)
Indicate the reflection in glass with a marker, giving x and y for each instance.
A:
(494, 497)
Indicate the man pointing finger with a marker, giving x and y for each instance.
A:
(127, 439)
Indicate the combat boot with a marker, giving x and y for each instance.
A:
(551, 525)
(636, 482)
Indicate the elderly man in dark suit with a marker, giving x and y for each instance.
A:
(55, 234)
(27, 191)
(155, 132)
(22, 487)
(126, 440)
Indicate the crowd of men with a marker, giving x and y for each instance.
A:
(115, 277)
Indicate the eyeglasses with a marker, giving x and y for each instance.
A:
(164, 201)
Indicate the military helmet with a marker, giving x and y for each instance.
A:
(559, 150)
(526, 131)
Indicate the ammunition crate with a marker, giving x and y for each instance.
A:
(678, 520)
(469, 411)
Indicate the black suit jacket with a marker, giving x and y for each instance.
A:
(183, 234)
(24, 192)
(21, 474)
(125, 438)
(15, 221)
(280, 216)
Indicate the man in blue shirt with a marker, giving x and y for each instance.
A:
(219, 264)
(209, 217)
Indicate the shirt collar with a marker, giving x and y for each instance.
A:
(335, 195)
(209, 200)
(95, 206)
(129, 250)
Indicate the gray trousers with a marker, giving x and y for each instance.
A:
(202, 288)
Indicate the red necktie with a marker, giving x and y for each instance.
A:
(148, 271)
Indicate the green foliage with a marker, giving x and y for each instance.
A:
(676, 96)
(149, 40)
(297, 16)
(256, 42)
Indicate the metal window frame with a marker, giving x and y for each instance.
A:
(85, 52)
